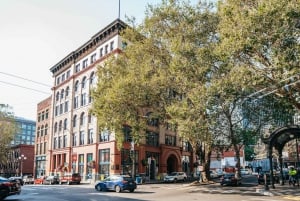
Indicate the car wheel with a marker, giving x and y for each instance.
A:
(131, 190)
(99, 188)
(118, 189)
(3, 194)
(175, 180)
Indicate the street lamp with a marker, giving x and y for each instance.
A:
(21, 159)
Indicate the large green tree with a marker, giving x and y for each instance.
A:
(7, 131)
(261, 38)
(163, 69)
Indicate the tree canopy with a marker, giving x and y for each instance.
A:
(210, 71)
(7, 131)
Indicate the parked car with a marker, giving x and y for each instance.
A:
(39, 180)
(175, 177)
(28, 179)
(261, 178)
(17, 179)
(117, 183)
(9, 187)
(230, 179)
(245, 172)
(51, 180)
(213, 174)
(74, 178)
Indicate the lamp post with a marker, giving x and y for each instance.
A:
(21, 159)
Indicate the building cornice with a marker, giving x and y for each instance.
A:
(110, 30)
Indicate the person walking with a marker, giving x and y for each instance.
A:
(292, 176)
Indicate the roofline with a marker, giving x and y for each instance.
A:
(95, 39)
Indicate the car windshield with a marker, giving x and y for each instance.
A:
(173, 174)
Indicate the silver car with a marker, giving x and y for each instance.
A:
(175, 177)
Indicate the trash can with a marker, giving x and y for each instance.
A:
(138, 180)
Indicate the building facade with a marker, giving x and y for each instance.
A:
(21, 150)
(41, 150)
(25, 133)
(19, 161)
(75, 142)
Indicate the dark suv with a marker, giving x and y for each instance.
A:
(117, 183)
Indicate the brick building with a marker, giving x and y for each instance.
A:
(42, 137)
(75, 142)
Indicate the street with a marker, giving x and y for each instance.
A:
(155, 192)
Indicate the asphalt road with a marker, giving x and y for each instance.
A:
(155, 192)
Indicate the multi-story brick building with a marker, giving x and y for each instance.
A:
(19, 161)
(42, 137)
(76, 144)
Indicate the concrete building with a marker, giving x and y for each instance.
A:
(76, 144)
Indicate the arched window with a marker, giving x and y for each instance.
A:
(92, 78)
(60, 125)
(62, 93)
(76, 86)
(55, 127)
(82, 119)
(57, 96)
(74, 120)
(83, 83)
(67, 91)
(46, 129)
(65, 124)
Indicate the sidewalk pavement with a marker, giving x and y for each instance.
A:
(248, 189)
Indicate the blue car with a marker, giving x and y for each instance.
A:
(117, 183)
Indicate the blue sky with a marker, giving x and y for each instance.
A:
(36, 34)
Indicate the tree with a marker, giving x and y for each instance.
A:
(7, 131)
(163, 69)
(261, 38)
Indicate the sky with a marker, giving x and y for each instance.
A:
(37, 34)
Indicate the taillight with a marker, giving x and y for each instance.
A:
(7, 184)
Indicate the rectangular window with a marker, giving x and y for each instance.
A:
(111, 46)
(58, 81)
(59, 142)
(93, 58)
(104, 136)
(152, 138)
(68, 74)
(63, 77)
(106, 49)
(74, 141)
(104, 158)
(101, 52)
(81, 138)
(90, 136)
(77, 68)
(45, 147)
(84, 63)
(65, 141)
(170, 140)
(83, 99)
(66, 106)
(56, 110)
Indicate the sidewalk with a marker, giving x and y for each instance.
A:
(258, 190)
